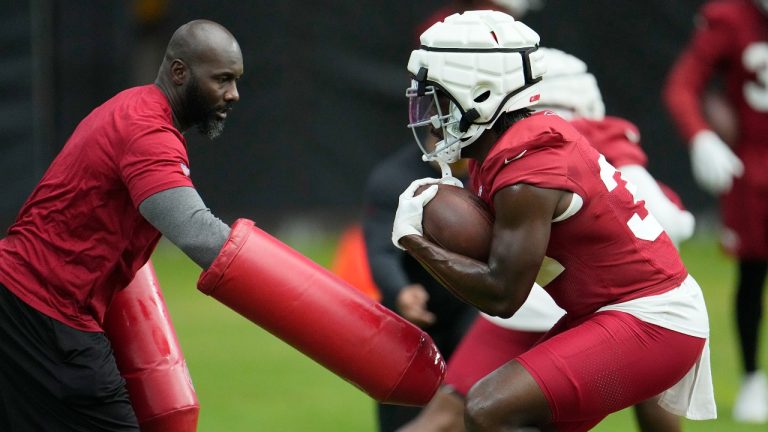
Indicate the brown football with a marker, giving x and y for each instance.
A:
(459, 221)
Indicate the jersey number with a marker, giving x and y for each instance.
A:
(755, 59)
(647, 228)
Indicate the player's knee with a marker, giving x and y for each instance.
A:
(486, 410)
(474, 416)
(481, 412)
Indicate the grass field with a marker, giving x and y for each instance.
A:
(248, 380)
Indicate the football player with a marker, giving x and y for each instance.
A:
(564, 216)
(569, 90)
(731, 41)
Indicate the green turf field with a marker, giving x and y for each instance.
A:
(248, 380)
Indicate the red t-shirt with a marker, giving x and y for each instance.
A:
(79, 237)
(611, 251)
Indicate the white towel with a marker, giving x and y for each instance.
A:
(683, 310)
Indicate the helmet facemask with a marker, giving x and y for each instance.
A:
(432, 114)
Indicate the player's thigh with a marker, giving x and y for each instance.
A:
(608, 362)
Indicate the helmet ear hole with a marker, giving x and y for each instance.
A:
(482, 97)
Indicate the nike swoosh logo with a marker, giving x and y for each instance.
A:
(506, 161)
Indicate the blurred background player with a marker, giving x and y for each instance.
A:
(731, 43)
(551, 193)
(572, 92)
(404, 285)
(366, 259)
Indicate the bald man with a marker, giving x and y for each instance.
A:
(120, 182)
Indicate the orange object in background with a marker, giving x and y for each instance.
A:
(149, 357)
(351, 262)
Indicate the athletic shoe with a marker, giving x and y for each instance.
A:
(751, 404)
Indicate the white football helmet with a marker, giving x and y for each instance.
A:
(469, 69)
(568, 89)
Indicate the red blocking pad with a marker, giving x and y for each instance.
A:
(319, 314)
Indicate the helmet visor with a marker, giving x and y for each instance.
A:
(429, 115)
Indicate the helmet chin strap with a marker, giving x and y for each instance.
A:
(445, 169)
(449, 155)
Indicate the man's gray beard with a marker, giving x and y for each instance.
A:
(211, 128)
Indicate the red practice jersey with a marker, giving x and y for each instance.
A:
(617, 139)
(79, 237)
(612, 249)
(731, 40)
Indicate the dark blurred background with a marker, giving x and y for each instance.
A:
(322, 98)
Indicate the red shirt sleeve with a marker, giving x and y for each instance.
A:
(534, 151)
(154, 161)
(547, 167)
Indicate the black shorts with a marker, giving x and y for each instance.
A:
(56, 378)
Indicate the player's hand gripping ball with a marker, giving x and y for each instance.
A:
(459, 221)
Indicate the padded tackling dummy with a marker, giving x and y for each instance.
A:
(322, 316)
(149, 357)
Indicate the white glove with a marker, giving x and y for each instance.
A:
(714, 164)
(679, 224)
(683, 228)
(410, 209)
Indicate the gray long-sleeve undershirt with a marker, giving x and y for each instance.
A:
(182, 217)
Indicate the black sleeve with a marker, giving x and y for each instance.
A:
(385, 184)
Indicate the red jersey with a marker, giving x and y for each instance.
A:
(79, 237)
(612, 249)
(731, 40)
(617, 139)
